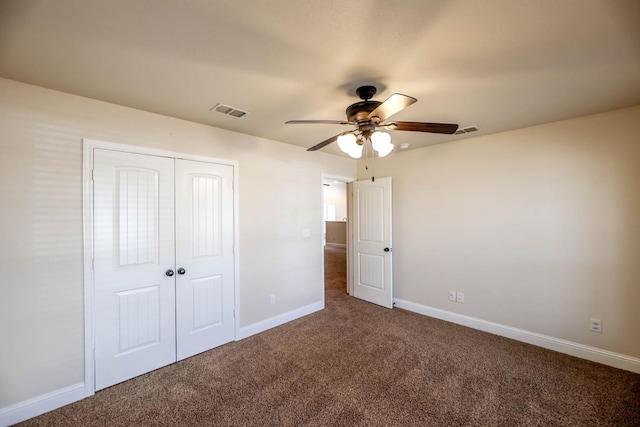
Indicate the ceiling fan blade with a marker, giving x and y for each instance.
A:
(316, 122)
(392, 105)
(446, 128)
(327, 141)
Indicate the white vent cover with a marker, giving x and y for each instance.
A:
(229, 110)
(468, 129)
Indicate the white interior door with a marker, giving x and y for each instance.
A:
(372, 241)
(133, 247)
(204, 256)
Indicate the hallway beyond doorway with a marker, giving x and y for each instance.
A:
(335, 268)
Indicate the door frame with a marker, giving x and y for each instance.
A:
(347, 180)
(88, 146)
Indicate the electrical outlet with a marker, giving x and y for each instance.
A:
(452, 295)
(272, 299)
(460, 296)
(595, 325)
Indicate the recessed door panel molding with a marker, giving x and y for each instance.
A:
(370, 201)
(206, 233)
(162, 262)
(138, 315)
(137, 203)
(371, 272)
(372, 246)
(207, 302)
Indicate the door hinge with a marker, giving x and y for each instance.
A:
(93, 264)
(92, 174)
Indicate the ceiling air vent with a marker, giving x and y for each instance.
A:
(229, 111)
(468, 129)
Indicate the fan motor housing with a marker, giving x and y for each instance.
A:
(360, 111)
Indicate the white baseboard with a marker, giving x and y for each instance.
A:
(338, 245)
(594, 354)
(40, 404)
(281, 319)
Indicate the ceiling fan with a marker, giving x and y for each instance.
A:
(367, 116)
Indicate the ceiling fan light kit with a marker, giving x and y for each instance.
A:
(350, 144)
(366, 116)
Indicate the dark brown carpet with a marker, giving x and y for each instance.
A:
(356, 364)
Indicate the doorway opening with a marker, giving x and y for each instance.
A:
(335, 238)
(368, 243)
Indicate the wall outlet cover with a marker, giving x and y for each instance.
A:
(595, 325)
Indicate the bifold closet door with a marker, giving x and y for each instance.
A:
(134, 247)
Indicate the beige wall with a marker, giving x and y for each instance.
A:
(41, 303)
(539, 227)
(336, 232)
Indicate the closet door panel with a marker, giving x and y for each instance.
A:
(133, 248)
(204, 256)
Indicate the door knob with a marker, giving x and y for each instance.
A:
(181, 270)
(169, 272)
(387, 249)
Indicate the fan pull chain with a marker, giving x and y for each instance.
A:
(366, 158)
(373, 164)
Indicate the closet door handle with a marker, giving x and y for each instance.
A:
(181, 270)
(169, 272)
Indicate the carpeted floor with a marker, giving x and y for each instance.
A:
(356, 364)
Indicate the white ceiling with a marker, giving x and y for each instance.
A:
(497, 64)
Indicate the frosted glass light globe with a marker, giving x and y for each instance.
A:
(381, 142)
(347, 142)
(385, 149)
(356, 152)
